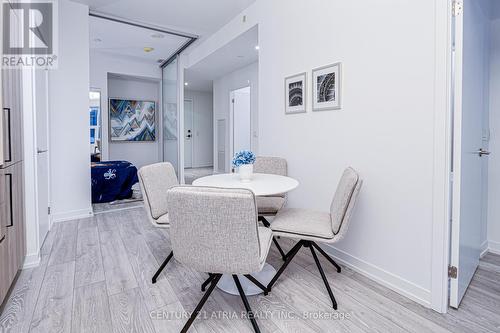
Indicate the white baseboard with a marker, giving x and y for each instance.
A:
(72, 215)
(484, 249)
(31, 260)
(387, 279)
(494, 247)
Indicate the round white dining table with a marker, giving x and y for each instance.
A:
(261, 185)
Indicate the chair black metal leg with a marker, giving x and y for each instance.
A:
(283, 255)
(264, 221)
(289, 258)
(205, 284)
(323, 276)
(202, 302)
(250, 313)
(266, 224)
(158, 272)
(339, 269)
(257, 283)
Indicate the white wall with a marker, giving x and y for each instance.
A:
(203, 132)
(138, 153)
(100, 65)
(391, 128)
(494, 158)
(69, 116)
(246, 76)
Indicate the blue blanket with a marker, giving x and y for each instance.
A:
(112, 180)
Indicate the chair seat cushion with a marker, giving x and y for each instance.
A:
(265, 239)
(303, 224)
(163, 220)
(269, 205)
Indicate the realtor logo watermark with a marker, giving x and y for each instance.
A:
(30, 34)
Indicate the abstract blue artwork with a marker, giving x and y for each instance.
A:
(132, 120)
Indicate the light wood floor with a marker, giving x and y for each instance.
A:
(95, 277)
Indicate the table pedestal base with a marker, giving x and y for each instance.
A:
(265, 276)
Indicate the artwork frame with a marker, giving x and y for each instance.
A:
(118, 106)
(324, 95)
(296, 93)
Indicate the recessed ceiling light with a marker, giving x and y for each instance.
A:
(240, 56)
(97, 40)
(257, 47)
(148, 49)
(157, 35)
(185, 83)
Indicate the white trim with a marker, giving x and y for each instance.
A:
(442, 158)
(72, 215)
(385, 278)
(484, 249)
(494, 247)
(117, 210)
(32, 260)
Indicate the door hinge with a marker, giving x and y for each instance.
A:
(48, 210)
(452, 272)
(458, 8)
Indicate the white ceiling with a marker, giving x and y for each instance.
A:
(236, 54)
(201, 17)
(129, 41)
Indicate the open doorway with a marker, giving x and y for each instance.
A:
(241, 120)
(475, 229)
(230, 77)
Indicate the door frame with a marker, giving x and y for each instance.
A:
(189, 99)
(231, 120)
(442, 150)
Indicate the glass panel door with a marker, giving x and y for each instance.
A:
(171, 114)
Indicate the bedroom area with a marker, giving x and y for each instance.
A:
(125, 107)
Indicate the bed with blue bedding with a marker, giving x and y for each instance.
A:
(112, 180)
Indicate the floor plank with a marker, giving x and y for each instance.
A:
(129, 314)
(89, 266)
(64, 247)
(53, 309)
(91, 309)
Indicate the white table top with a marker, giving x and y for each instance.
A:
(261, 184)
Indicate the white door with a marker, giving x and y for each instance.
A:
(470, 72)
(188, 133)
(241, 116)
(42, 139)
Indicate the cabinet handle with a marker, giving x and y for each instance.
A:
(9, 135)
(8, 176)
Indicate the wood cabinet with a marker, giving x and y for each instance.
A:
(12, 222)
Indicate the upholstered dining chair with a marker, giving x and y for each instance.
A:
(310, 227)
(216, 230)
(155, 181)
(271, 205)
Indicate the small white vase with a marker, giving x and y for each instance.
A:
(246, 172)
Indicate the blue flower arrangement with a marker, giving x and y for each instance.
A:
(243, 157)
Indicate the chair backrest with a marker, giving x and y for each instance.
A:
(156, 180)
(214, 230)
(271, 165)
(344, 201)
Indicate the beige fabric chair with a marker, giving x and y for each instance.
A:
(271, 205)
(216, 230)
(155, 181)
(310, 227)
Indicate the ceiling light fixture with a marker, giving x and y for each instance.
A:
(257, 47)
(158, 36)
(185, 83)
(148, 49)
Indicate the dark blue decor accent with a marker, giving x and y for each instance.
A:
(112, 180)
